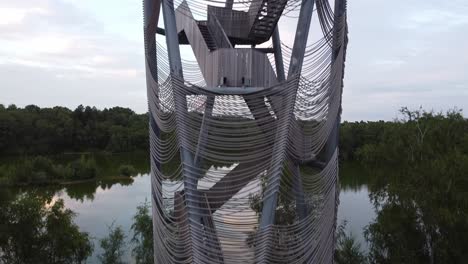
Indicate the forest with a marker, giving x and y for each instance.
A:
(36, 234)
(416, 170)
(40, 131)
(33, 130)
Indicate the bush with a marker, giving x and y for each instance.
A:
(34, 233)
(82, 169)
(126, 170)
(4, 180)
(348, 250)
(142, 228)
(32, 170)
(113, 246)
(40, 170)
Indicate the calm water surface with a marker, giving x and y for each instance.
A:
(101, 204)
(109, 205)
(117, 204)
(356, 209)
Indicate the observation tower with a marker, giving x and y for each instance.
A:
(244, 128)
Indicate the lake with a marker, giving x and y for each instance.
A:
(101, 203)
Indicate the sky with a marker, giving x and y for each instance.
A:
(70, 52)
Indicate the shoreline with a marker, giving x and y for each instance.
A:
(69, 182)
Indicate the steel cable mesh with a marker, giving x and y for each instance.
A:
(208, 209)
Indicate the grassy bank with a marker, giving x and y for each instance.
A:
(44, 170)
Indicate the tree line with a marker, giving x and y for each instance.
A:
(33, 130)
(417, 170)
(383, 141)
(417, 166)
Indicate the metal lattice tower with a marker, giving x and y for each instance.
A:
(244, 165)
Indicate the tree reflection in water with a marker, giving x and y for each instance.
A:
(35, 226)
(35, 229)
(419, 189)
(416, 177)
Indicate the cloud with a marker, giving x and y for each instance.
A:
(45, 87)
(389, 62)
(407, 54)
(71, 52)
(75, 41)
(436, 19)
(11, 16)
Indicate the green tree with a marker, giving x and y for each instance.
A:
(31, 232)
(348, 250)
(142, 228)
(419, 188)
(35, 130)
(113, 246)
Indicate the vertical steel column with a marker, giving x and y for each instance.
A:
(151, 16)
(301, 209)
(295, 67)
(300, 40)
(190, 181)
(278, 55)
(209, 104)
(284, 118)
(229, 4)
(297, 57)
(172, 39)
(337, 42)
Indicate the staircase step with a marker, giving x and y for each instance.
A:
(267, 17)
(207, 36)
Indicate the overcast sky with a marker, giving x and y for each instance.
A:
(90, 52)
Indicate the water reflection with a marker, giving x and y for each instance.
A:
(35, 228)
(395, 222)
(353, 177)
(86, 191)
(419, 221)
(97, 203)
(355, 207)
(109, 199)
(114, 203)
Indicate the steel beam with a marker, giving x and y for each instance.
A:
(297, 57)
(301, 208)
(265, 50)
(172, 39)
(300, 40)
(276, 167)
(209, 104)
(337, 42)
(160, 31)
(151, 10)
(278, 55)
(190, 181)
(229, 4)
